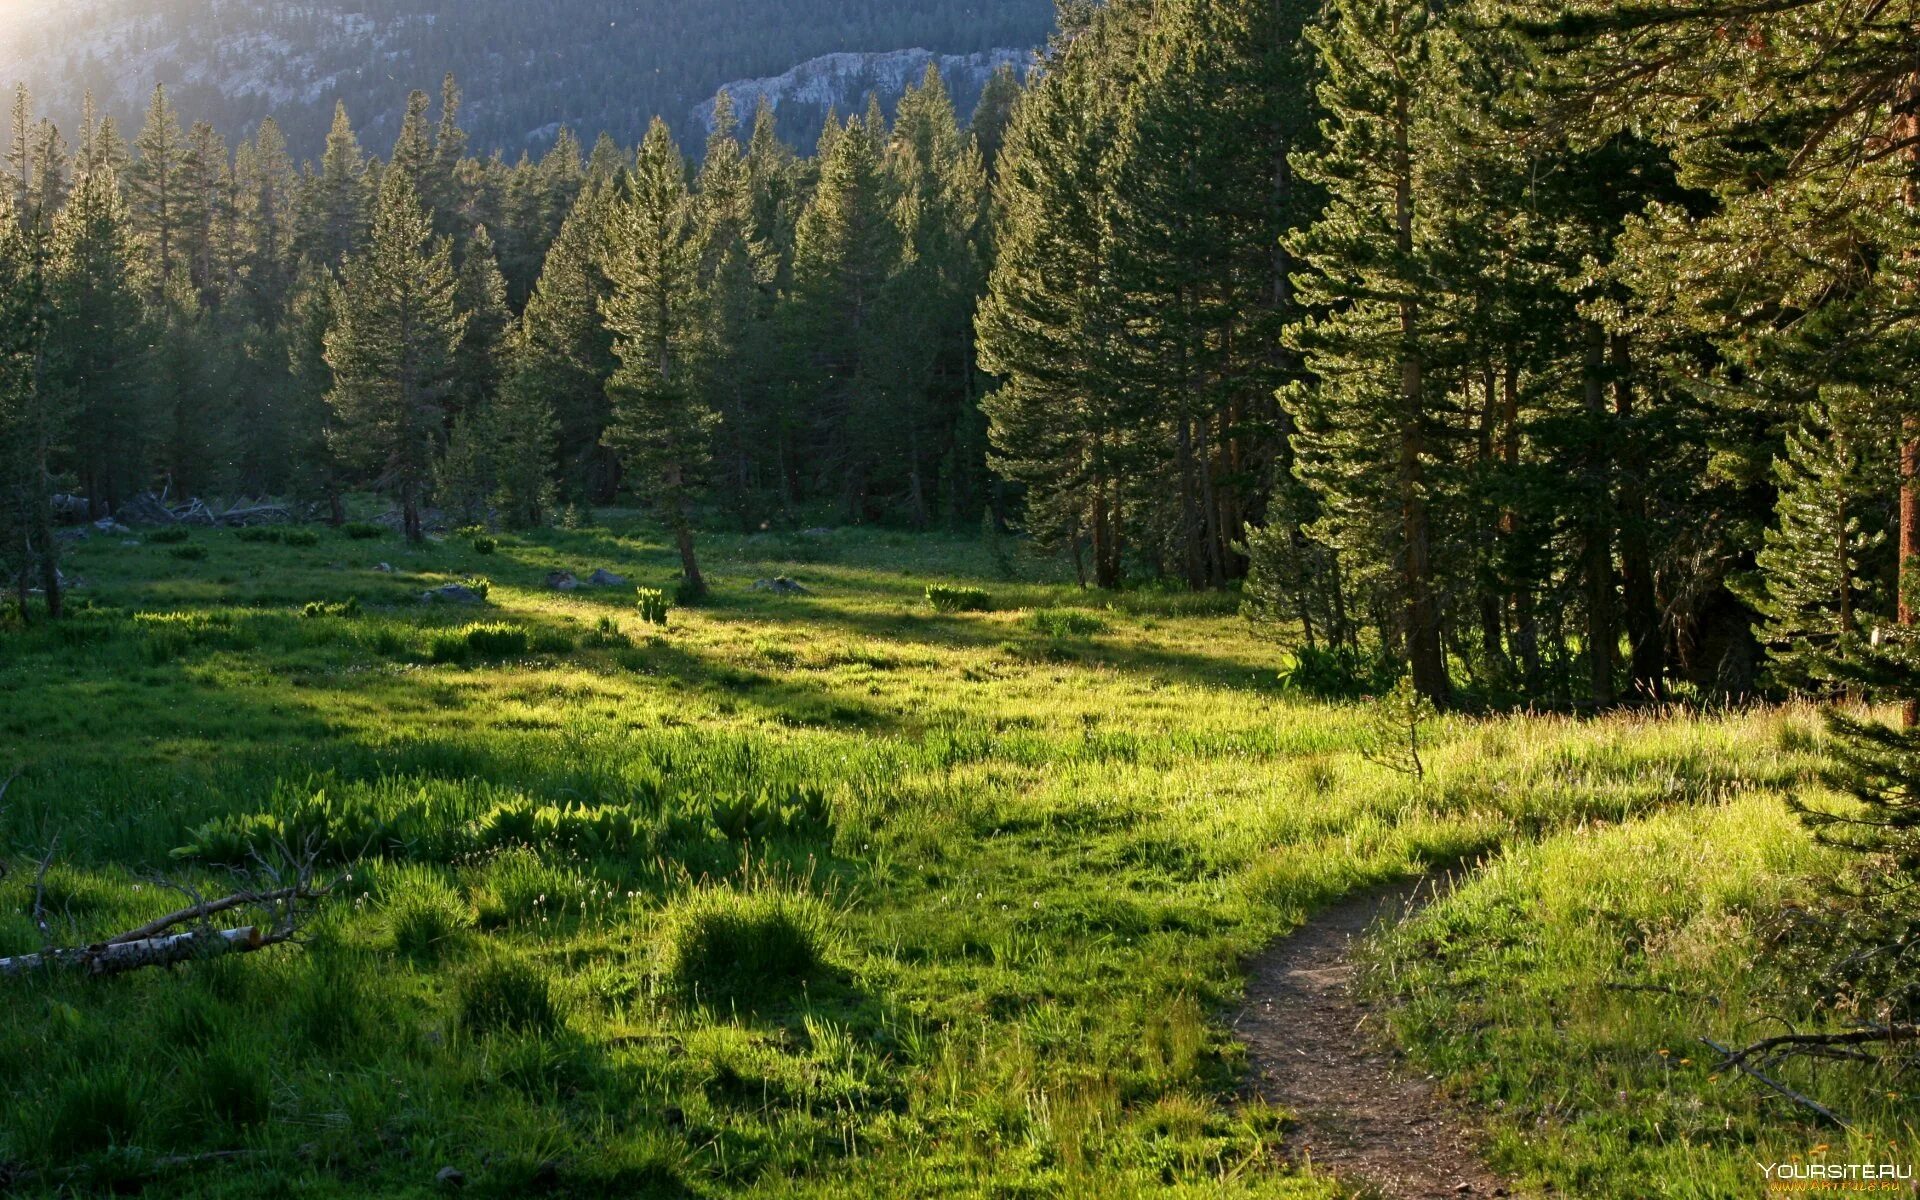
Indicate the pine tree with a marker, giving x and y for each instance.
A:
(1815, 598)
(264, 210)
(992, 116)
(1368, 271)
(661, 425)
(27, 424)
(846, 246)
(482, 296)
(563, 354)
(442, 188)
(51, 174)
(165, 208)
(334, 204)
(393, 346)
(318, 472)
(729, 284)
(1055, 427)
(99, 351)
(524, 440)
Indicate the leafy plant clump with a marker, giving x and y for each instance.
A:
(171, 535)
(1338, 673)
(189, 553)
(654, 605)
(958, 599)
(349, 607)
(363, 531)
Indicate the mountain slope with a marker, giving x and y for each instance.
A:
(527, 69)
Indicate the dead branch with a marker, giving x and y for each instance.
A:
(1731, 1059)
(40, 895)
(160, 942)
(1791, 1043)
(209, 908)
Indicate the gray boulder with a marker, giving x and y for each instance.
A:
(782, 586)
(452, 593)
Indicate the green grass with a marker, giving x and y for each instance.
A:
(834, 895)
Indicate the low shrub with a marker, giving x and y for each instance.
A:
(723, 945)
(260, 533)
(170, 535)
(958, 599)
(189, 553)
(299, 537)
(485, 545)
(363, 531)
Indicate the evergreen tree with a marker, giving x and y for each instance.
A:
(661, 426)
(992, 116)
(482, 296)
(524, 441)
(1368, 261)
(1044, 327)
(99, 351)
(164, 206)
(729, 282)
(1815, 597)
(393, 347)
(334, 208)
(563, 353)
(28, 549)
(318, 470)
(846, 246)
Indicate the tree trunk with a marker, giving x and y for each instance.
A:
(1909, 539)
(1647, 666)
(1597, 555)
(689, 565)
(410, 515)
(1906, 130)
(1425, 655)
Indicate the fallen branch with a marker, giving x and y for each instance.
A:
(1789, 1043)
(159, 943)
(114, 958)
(1736, 1060)
(201, 911)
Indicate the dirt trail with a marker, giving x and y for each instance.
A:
(1362, 1116)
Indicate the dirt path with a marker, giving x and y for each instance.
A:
(1314, 1051)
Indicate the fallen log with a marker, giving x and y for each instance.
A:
(263, 514)
(114, 958)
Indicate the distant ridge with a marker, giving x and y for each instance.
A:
(843, 81)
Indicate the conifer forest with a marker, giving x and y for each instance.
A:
(1304, 599)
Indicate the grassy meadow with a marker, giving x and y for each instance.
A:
(833, 895)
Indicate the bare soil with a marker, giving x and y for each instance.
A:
(1317, 1049)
